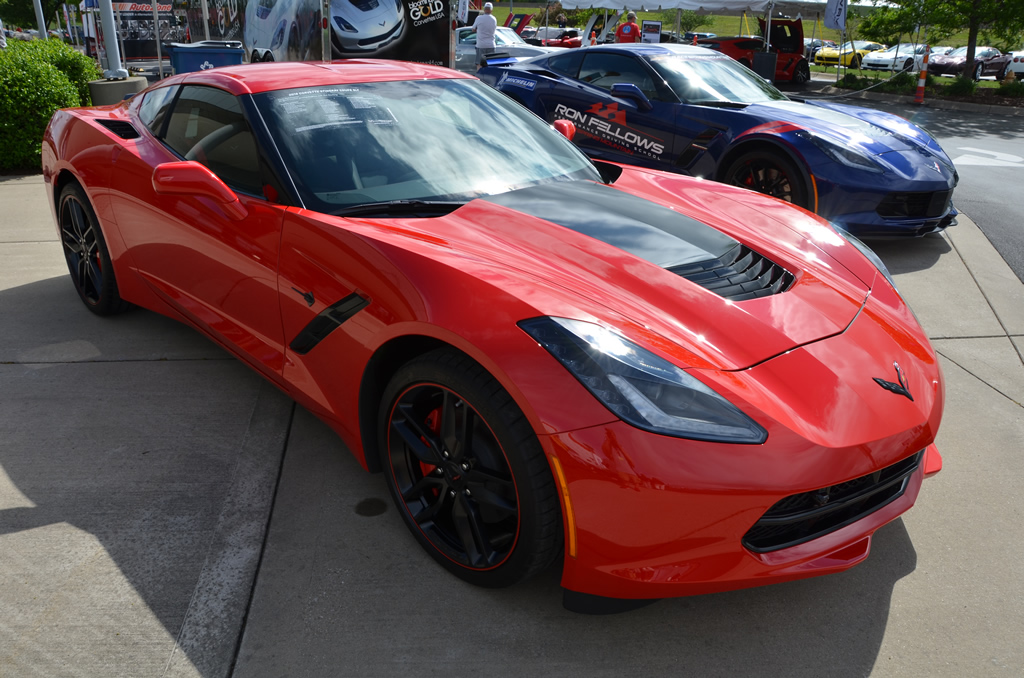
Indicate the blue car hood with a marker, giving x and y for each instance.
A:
(874, 132)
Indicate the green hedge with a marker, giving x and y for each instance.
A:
(36, 79)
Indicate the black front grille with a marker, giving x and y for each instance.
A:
(802, 517)
(120, 128)
(929, 204)
(738, 275)
(365, 5)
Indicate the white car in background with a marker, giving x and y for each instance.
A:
(506, 41)
(1017, 65)
(364, 26)
(279, 30)
(903, 57)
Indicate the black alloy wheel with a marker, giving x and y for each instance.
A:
(855, 61)
(86, 253)
(908, 64)
(467, 472)
(769, 173)
(802, 73)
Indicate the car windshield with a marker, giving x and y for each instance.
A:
(855, 45)
(959, 51)
(506, 36)
(704, 80)
(906, 48)
(425, 140)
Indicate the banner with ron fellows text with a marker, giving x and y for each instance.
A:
(280, 30)
(134, 22)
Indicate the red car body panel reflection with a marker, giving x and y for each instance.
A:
(651, 515)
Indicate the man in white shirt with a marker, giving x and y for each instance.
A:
(485, 26)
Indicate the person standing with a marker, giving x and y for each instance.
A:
(485, 26)
(629, 31)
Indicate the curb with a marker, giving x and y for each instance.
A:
(939, 104)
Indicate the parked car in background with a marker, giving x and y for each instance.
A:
(812, 45)
(905, 56)
(694, 111)
(506, 41)
(564, 37)
(987, 61)
(1017, 64)
(849, 54)
(787, 43)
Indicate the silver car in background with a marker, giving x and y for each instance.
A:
(506, 41)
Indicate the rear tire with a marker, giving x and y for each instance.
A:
(467, 472)
(85, 250)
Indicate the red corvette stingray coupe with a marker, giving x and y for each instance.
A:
(670, 385)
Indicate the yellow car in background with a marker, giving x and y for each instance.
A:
(848, 54)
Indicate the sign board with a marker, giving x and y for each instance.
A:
(650, 31)
(290, 30)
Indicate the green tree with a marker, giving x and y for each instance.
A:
(688, 20)
(22, 12)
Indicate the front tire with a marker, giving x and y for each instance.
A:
(467, 472)
(85, 251)
(978, 70)
(802, 74)
(769, 173)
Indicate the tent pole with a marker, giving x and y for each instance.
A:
(679, 18)
(768, 28)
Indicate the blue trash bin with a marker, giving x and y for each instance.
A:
(200, 56)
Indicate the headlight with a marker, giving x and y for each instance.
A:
(842, 154)
(344, 25)
(278, 35)
(867, 252)
(639, 387)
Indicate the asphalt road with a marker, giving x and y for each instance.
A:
(988, 151)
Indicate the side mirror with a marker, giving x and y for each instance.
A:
(565, 128)
(627, 90)
(191, 178)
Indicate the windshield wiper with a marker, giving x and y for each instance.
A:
(719, 103)
(401, 207)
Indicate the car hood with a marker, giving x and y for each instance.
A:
(873, 132)
(626, 259)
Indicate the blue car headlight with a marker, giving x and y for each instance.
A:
(867, 252)
(639, 387)
(844, 155)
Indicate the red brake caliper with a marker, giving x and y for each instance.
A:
(433, 422)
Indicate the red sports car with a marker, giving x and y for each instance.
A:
(668, 385)
(787, 42)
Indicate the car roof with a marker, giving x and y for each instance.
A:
(659, 49)
(266, 77)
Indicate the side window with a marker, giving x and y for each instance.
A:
(566, 63)
(207, 125)
(154, 107)
(604, 70)
(467, 38)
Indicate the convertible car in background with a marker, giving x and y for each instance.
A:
(695, 111)
(670, 386)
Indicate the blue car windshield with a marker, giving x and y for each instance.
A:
(702, 80)
(424, 140)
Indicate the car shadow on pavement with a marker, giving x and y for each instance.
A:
(353, 591)
(907, 255)
(119, 440)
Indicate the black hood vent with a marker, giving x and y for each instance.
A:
(120, 128)
(738, 275)
(678, 243)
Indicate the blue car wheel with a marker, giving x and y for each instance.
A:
(768, 173)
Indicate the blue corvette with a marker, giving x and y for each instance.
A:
(695, 111)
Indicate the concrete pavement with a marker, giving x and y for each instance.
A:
(163, 512)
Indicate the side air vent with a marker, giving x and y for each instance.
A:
(738, 275)
(120, 128)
